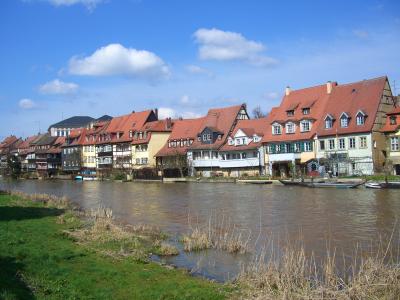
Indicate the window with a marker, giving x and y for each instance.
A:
(306, 111)
(352, 143)
(331, 144)
(290, 127)
(144, 161)
(344, 120)
(290, 113)
(305, 126)
(307, 146)
(363, 142)
(321, 145)
(342, 144)
(278, 148)
(394, 143)
(392, 120)
(360, 120)
(276, 129)
(244, 155)
(296, 147)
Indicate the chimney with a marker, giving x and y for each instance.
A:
(168, 124)
(329, 87)
(133, 111)
(287, 91)
(156, 112)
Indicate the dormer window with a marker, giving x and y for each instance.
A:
(219, 136)
(344, 120)
(360, 119)
(305, 126)
(328, 122)
(290, 113)
(392, 120)
(306, 111)
(276, 129)
(290, 127)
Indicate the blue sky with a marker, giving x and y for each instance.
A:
(61, 58)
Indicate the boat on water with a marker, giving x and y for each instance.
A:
(89, 178)
(382, 185)
(323, 184)
(249, 181)
(337, 185)
(78, 178)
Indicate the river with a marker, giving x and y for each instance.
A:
(341, 218)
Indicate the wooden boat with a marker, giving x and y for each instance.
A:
(382, 185)
(292, 182)
(337, 185)
(250, 181)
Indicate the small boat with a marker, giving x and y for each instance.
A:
(89, 178)
(382, 185)
(255, 181)
(292, 182)
(337, 185)
(78, 178)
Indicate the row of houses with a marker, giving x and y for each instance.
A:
(339, 129)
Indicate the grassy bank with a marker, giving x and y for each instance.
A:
(47, 251)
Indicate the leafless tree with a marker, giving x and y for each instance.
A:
(258, 113)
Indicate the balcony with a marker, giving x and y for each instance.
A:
(105, 153)
(229, 163)
(284, 157)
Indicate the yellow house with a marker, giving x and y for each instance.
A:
(148, 141)
(391, 129)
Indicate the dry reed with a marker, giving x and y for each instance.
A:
(219, 233)
(295, 275)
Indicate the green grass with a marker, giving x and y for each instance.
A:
(39, 261)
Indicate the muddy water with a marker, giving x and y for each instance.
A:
(342, 217)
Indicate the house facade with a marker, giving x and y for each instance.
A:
(203, 154)
(289, 141)
(71, 154)
(48, 155)
(146, 143)
(243, 153)
(391, 129)
(114, 145)
(349, 138)
(171, 159)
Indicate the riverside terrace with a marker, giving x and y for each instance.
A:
(335, 128)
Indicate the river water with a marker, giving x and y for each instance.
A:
(324, 218)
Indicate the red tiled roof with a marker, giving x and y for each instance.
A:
(219, 120)
(8, 141)
(250, 127)
(153, 126)
(123, 124)
(314, 98)
(395, 113)
(182, 129)
(350, 98)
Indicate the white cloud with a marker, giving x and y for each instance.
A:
(165, 112)
(271, 95)
(26, 103)
(115, 59)
(190, 115)
(221, 45)
(89, 4)
(58, 87)
(361, 34)
(185, 99)
(198, 70)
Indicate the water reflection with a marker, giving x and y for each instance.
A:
(344, 217)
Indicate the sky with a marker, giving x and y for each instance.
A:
(61, 58)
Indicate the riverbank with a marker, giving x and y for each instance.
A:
(50, 249)
(47, 251)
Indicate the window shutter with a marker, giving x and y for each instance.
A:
(302, 147)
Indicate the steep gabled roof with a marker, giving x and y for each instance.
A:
(250, 127)
(8, 141)
(221, 120)
(350, 99)
(182, 129)
(314, 98)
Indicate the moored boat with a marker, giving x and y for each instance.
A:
(337, 185)
(382, 185)
(79, 177)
